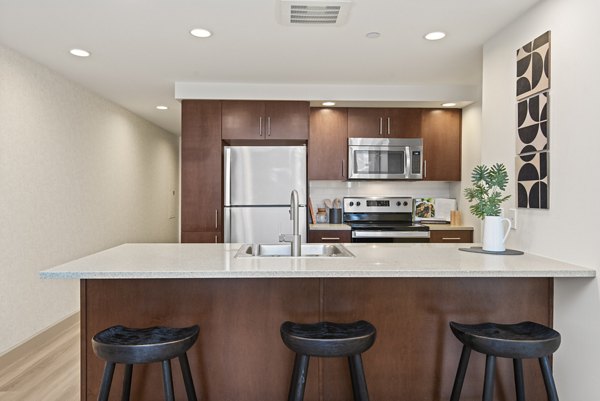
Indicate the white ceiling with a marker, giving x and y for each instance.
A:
(141, 48)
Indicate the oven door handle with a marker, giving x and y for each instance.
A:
(390, 234)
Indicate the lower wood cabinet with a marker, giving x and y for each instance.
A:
(206, 237)
(329, 236)
(441, 236)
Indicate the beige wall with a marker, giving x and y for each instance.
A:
(568, 230)
(78, 174)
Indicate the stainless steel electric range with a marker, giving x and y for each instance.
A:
(383, 219)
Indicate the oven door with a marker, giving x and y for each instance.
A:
(390, 236)
(378, 162)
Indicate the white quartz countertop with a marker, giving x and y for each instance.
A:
(138, 261)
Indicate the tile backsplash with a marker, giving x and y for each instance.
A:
(320, 190)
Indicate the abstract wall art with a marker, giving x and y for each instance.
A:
(533, 67)
(533, 123)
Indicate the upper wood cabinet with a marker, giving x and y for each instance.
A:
(384, 123)
(441, 133)
(328, 144)
(201, 166)
(255, 120)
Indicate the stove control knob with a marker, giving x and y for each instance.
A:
(398, 203)
(351, 203)
(357, 203)
(405, 203)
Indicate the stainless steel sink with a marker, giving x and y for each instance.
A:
(285, 250)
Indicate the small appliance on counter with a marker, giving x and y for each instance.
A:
(383, 219)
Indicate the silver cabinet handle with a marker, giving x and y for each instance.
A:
(424, 168)
(451, 238)
(259, 126)
(343, 175)
(216, 218)
(268, 126)
(389, 125)
(330, 238)
(380, 125)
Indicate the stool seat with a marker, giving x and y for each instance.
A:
(327, 339)
(121, 344)
(518, 341)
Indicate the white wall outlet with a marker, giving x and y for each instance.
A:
(512, 216)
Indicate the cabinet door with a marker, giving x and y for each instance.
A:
(332, 236)
(366, 123)
(286, 120)
(243, 119)
(441, 132)
(441, 236)
(403, 123)
(205, 237)
(328, 144)
(201, 164)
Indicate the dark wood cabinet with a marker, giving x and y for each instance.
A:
(260, 120)
(336, 236)
(441, 236)
(441, 133)
(201, 171)
(328, 144)
(386, 122)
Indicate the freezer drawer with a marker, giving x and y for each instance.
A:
(260, 224)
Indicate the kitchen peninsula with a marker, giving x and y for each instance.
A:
(408, 291)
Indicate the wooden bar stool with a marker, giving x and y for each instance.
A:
(517, 341)
(120, 344)
(326, 339)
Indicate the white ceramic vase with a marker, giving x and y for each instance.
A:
(494, 234)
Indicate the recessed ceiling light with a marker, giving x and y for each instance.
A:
(328, 103)
(435, 35)
(162, 107)
(201, 33)
(373, 35)
(80, 52)
(449, 104)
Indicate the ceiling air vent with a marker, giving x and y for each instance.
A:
(314, 12)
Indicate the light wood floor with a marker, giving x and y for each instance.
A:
(50, 374)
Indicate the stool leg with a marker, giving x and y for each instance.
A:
(519, 381)
(488, 384)
(298, 378)
(109, 370)
(187, 377)
(357, 374)
(548, 379)
(168, 380)
(460, 373)
(127, 382)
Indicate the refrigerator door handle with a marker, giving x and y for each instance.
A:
(226, 225)
(227, 177)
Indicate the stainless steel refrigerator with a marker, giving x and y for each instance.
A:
(258, 184)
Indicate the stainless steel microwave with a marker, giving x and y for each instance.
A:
(385, 158)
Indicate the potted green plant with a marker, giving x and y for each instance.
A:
(487, 193)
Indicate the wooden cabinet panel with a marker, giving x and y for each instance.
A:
(328, 144)
(451, 236)
(201, 166)
(441, 132)
(335, 236)
(204, 236)
(389, 122)
(256, 120)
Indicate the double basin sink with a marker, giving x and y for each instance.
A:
(285, 250)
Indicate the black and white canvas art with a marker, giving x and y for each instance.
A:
(532, 124)
(533, 67)
(532, 180)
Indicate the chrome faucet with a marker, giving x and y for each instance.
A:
(295, 238)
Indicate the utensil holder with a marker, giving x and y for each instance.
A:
(335, 216)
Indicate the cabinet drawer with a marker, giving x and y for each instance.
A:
(329, 236)
(451, 236)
